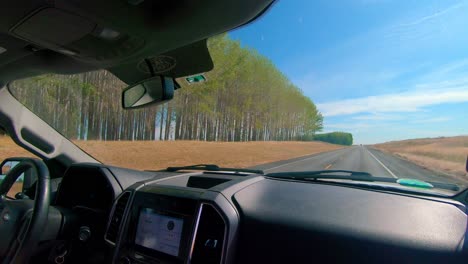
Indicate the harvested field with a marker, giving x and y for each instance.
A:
(161, 154)
(444, 154)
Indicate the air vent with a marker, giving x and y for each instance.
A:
(117, 217)
(209, 237)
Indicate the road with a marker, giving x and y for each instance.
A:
(359, 158)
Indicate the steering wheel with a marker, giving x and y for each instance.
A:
(22, 221)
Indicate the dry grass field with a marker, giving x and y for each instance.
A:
(161, 154)
(445, 154)
(9, 149)
(16, 188)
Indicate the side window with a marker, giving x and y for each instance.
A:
(18, 185)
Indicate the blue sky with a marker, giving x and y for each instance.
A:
(380, 69)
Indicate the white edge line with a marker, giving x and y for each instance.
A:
(385, 167)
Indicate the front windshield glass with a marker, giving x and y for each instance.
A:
(367, 86)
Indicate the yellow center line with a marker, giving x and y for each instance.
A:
(328, 166)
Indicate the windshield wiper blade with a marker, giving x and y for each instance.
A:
(311, 174)
(325, 174)
(353, 176)
(212, 167)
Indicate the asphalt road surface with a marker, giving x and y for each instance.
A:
(359, 158)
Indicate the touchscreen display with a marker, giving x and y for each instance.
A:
(159, 232)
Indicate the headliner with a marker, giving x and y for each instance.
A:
(73, 36)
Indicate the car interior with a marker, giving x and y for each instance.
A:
(74, 209)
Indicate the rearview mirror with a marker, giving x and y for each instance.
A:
(156, 90)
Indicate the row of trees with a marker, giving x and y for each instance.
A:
(340, 138)
(245, 98)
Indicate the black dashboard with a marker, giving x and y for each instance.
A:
(84, 199)
(220, 217)
(99, 194)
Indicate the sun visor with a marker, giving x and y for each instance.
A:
(185, 61)
(52, 28)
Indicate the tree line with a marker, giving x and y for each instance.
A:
(340, 138)
(245, 98)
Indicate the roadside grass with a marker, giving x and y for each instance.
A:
(445, 154)
(154, 155)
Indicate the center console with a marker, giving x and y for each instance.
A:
(152, 223)
(160, 228)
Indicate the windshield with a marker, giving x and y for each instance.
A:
(367, 86)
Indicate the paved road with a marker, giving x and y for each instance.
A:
(358, 158)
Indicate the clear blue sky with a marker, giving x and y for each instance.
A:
(380, 69)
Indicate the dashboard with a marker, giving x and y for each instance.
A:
(222, 217)
(99, 193)
(84, 201)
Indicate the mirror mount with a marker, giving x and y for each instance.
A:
(153, 91)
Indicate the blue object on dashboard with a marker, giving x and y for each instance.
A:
(415, 183)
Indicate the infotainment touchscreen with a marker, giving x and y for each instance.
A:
(159, 232)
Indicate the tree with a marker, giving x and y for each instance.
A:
(340, 138)
(246, 98)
